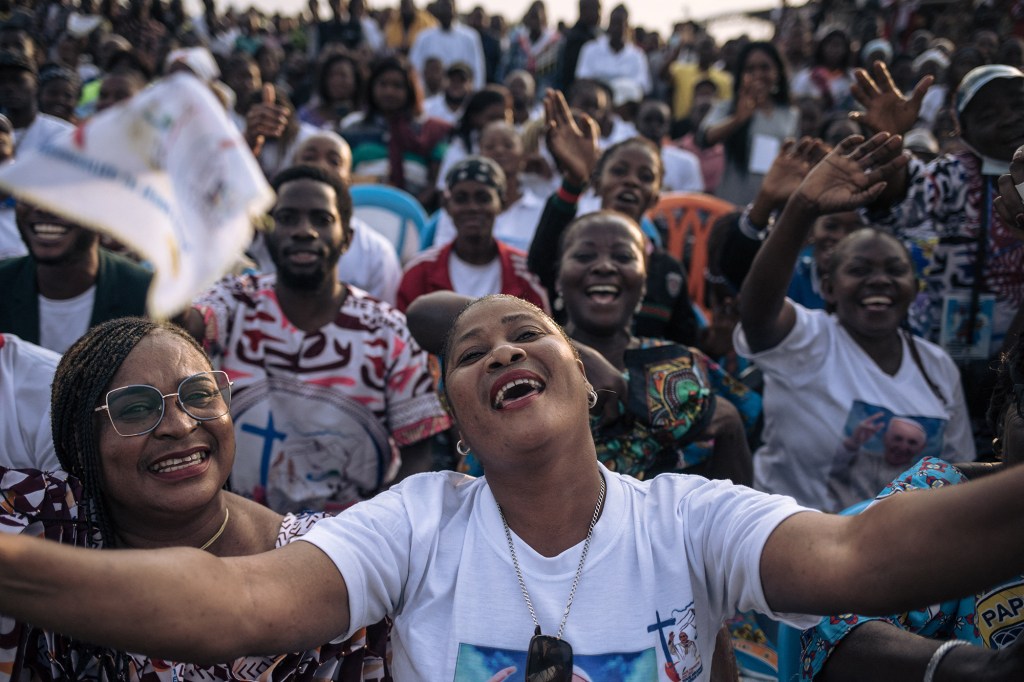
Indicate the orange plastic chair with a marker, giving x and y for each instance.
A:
(687, 218)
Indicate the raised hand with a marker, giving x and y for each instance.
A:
(790, 167)
(1009, 203)
(573, 146)
(853, 174)
(887, 109)
(266, 120)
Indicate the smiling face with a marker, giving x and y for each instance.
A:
(309, 236)
(180, 465)
(512, 380)
(601, 274)
(473, 207)
(500, 142)
(760, 69)
(993, 121)
(58, 98)
(871, 285)
(53, 240)
(904, 441)
(630, 180)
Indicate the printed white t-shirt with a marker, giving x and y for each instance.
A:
(670, 557)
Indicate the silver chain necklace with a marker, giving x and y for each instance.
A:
(579, 568)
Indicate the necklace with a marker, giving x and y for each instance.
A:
(579, 568)
(227, 515)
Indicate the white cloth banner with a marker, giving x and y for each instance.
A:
(165, 173)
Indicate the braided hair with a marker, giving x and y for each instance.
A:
(80, 383)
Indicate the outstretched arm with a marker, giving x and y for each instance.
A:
(852, 175)
(880, 651)
(821, 563)
(197, 607)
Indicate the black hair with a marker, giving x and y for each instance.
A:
(637, 141)
(480, 100)
(131, 61)
(52, 71)
(737, 146)
(324, 69)
(317, 174)
(819, 50)
(413, 94)
(82, 378)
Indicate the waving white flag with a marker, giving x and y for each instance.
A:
(165, 173)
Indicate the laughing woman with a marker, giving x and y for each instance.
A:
(143, 471)
(851, 399)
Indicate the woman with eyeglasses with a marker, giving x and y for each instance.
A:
(550, 563)
(143, 435)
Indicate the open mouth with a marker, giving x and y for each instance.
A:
(172, 464)
(514, 391)
(628, 198)
(303, 257)
(876, 302)
(603, 293)
(49, 232)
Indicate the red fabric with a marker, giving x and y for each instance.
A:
(409, 135)
(428, 272)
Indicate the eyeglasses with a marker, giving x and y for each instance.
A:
(138, 409)
(549, 658)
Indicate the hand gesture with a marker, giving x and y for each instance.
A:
(888, 111)
(608, 382)
(865, 431)
(790, 167)
(853, 174)
(1009, 204)
(574, 146)
(752, 94)
(266, 120)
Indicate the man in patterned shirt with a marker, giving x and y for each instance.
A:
(329, 385)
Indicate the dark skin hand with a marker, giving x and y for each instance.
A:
(1009, 204)
(574, 148)
(266, 120)
(887, 109)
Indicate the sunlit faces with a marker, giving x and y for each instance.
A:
(760, 70)
(871, 283)
(473, 207)
(390, 92)
(328, 151)
(993, 121)
(308, 236)
(500, 141)
(182, 463)
(602, 273)
(511, 377)
(630, 180)
(52, 240)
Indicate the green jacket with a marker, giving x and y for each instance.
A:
(121, 287)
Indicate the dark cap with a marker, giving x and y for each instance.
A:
(17, 60)
(461, 68)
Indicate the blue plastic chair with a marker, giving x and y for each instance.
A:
(787, 644)
(394, 213)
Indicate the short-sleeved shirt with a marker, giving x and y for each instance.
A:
(318, 415)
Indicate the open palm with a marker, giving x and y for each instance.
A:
(574, 145)
(887, 110)
(853, 174)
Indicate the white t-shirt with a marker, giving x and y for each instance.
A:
(598, 61)
(436, 106)
(682, 170)
(460, 43)
(820, 385)
(474, 280)
(43, 129)
(670, 557)
(62, 322)
(26, 372)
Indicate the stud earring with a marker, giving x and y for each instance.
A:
(462, 448)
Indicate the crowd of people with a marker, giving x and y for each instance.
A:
(345, 461)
